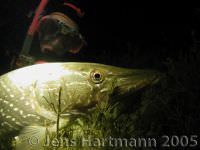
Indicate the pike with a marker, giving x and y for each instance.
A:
(32, 97)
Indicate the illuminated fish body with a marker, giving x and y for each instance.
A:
(31, 97)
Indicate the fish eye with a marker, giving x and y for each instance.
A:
(96, 76)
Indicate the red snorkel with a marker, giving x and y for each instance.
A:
(35, 21)
(23, 58)
(33, 27)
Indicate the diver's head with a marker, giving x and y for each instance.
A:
(59, 34)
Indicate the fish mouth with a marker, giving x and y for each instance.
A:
(136, 80)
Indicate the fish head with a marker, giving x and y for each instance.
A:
(93, 83)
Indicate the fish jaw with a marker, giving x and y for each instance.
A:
(133, 80)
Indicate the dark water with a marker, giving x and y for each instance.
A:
(117, 34)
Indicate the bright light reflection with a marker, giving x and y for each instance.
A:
(42, 72)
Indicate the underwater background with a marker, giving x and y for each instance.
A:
(164, 39)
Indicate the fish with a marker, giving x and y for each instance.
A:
(32, 97)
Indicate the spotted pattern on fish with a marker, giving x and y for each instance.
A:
(11, 102)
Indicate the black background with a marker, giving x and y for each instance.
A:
(116, 32)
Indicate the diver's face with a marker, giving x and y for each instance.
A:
(51, 40)
(58, 38)
(54, 46)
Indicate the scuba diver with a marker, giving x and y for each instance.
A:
(53, 35)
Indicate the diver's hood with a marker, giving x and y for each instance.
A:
(58, 22)
(59, 34)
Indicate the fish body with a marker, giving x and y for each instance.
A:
(33, 96)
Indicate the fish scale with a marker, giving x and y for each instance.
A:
(30, 97)
(13, 107)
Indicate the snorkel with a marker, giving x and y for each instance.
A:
(33, 27)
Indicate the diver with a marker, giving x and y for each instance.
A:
(53, 35)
